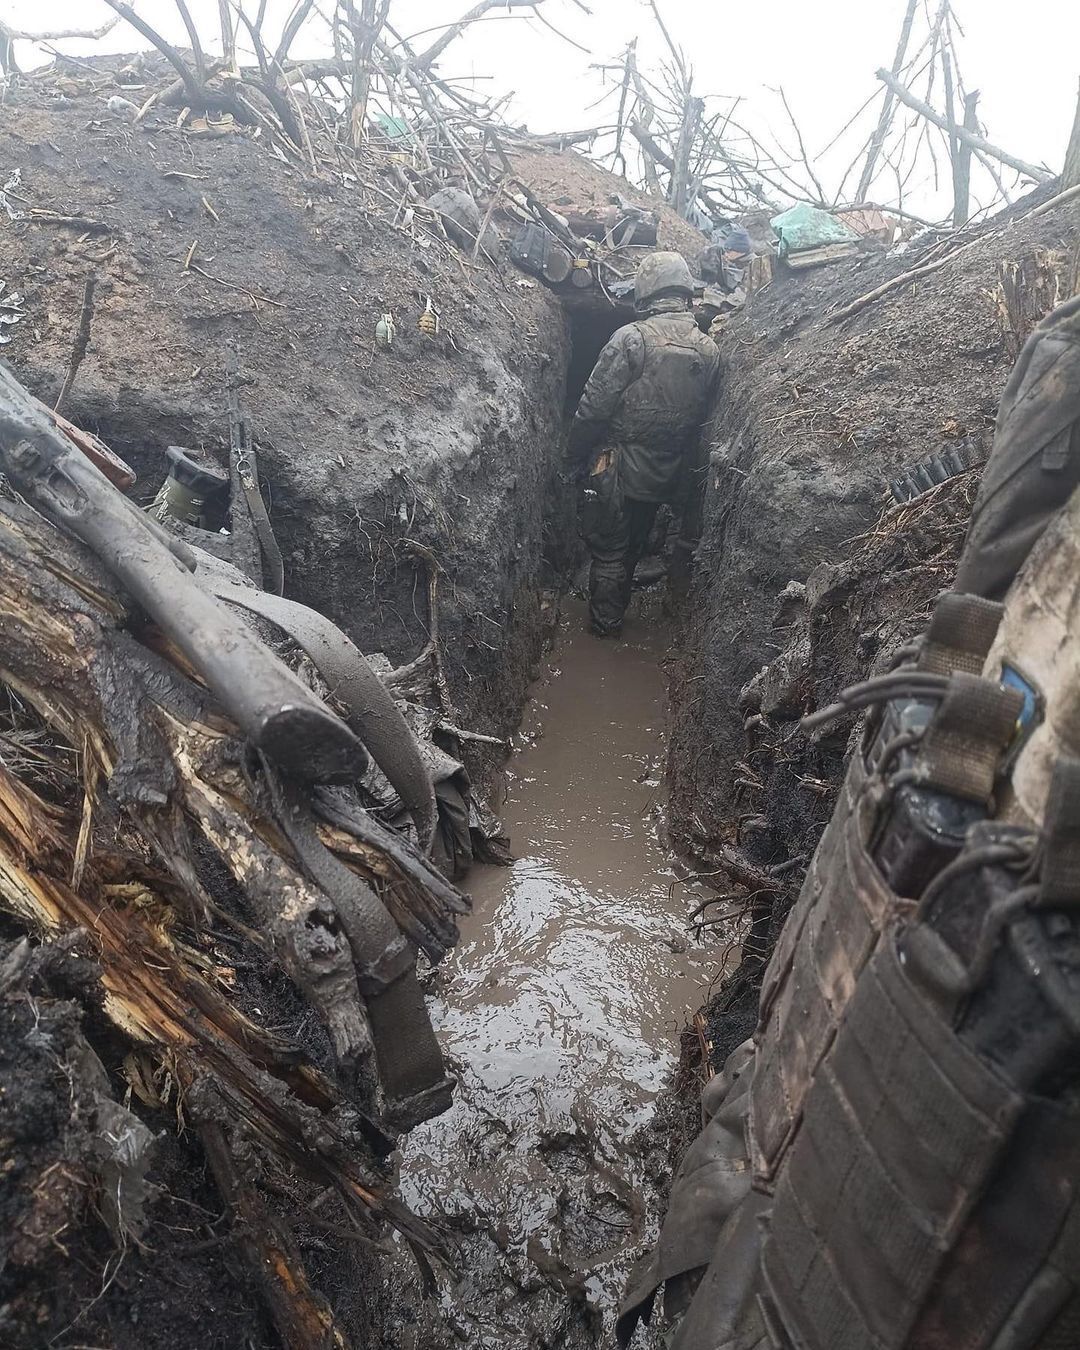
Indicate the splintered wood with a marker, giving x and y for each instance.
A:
(99, 837)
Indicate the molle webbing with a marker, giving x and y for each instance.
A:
(1010, 1281)
(962, 748)
(960, 635)
(1061, 836)
(841, 912)
(903, 1126)
(845, 905)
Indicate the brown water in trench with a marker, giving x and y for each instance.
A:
(560, 1007)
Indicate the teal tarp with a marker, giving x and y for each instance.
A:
(808, 227)
(395, 127)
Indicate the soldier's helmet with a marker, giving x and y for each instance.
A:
(662, 274)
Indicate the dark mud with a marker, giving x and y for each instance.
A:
(813, 419)
(448, 443)
(561, 1009)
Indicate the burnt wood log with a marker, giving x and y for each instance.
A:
(169, 777)
(101, 677)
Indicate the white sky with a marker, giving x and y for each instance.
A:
(1025, 59)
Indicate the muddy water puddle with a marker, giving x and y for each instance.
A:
(560, 1009)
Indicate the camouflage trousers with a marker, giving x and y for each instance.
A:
(616, 530)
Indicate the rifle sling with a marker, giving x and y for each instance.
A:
(372, 712)
(409, 1059)
(271, 552)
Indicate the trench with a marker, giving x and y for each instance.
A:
(561, 1006)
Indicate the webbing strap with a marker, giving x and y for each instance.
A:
(962, 747)
(1061, 836)
(271, 552)
(960, 635)
(372, 712)
(410, 1062)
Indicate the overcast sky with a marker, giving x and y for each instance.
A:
(1024, 58)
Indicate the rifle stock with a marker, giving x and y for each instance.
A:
(276, 712)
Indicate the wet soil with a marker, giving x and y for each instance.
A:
(808, 576)
(448, 442)
(561, 1008)
(814, 417)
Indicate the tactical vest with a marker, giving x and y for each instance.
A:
(659, 420)
(915, 1111)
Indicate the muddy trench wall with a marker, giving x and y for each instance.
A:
(449, 442)
(814, 418)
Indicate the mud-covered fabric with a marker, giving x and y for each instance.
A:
(901, 1130)
(649, 396)
(711, 1184)
(616, 529)
(1035, 463)
(842, 910)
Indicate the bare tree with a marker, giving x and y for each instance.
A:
(9, 36)
(882, 128)
(1071, 176)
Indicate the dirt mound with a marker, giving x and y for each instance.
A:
(447, 441)
(566, 177)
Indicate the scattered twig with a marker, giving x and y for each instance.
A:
(254, 296)
(40, 216)
(916, 273)
(82, 341)
(478, 737)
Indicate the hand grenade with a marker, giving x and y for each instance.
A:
(384, 331)
(429, 320)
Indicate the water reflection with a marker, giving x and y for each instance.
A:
(560, 1006)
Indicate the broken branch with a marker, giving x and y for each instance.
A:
(882, 128)
(90, 35)
(1033, 171)
(1071, 175)
(427, 59)
(82, 341)
(193, 38)
(195, 93)
(292, 27)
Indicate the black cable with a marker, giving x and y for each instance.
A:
(990, 854)
(902, 683)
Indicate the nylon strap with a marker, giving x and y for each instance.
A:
(410, 1062)
(960, 635)
(272, 559)
(1061, 836)
(962, 747)
(372, 712)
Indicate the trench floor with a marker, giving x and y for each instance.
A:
(561, 1006)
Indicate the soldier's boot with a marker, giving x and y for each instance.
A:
(608, 594)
